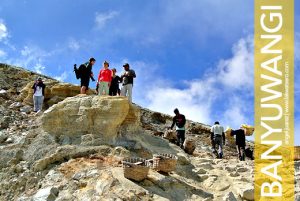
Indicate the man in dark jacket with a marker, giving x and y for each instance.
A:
(86, 73)
(240, 141)
(38, 94)
(179, 120)
(127, 81)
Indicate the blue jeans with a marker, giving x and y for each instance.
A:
(38, 103)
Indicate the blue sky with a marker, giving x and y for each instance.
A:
(194, 55)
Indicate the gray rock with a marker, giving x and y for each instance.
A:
(230, 168)
(183, 159)
(4, 122)
(234, 174)
(9, 140)
(46, 194)
(3, 93)
(242, 169)
(200, 171)
(15, 105)
(206, 166)
(3, 137)
(26, 109)
(229, 197)
(247, 193)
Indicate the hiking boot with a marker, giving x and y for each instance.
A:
(220, 156)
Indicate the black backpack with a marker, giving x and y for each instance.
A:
(78, 71)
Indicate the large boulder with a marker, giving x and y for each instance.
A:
(102, 116)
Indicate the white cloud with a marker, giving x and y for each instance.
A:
(73, 45)
(3, 54)
(3, 31)
(62, 77)
(102, 18)
(199, 99)
(39, 68)
(31, 57)
(237, 72)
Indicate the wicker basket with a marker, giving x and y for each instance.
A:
(249, 129)
(170, 135)
(135, 168)
(189, 146)
(229, 138)
(164, 162)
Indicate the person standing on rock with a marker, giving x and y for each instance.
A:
(114, 88)
(85, 74)
(218, 138)
(38, 94)
(104, 79)
(127, 81)
(179, 120)
(240, 141)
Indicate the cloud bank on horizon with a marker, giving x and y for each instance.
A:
(196, 56)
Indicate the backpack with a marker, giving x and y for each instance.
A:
(77, 72)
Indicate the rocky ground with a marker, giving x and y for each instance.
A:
(73, 150)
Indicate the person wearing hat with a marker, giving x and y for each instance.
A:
(38, 94)
(127, 81)
(217, 133)
(104, 79)
(114, 88)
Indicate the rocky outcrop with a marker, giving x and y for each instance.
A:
(102, 117)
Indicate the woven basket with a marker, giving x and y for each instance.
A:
(164, 162)
(135, 168)
(189, 146)
(229, 138)
(170, 135)
(249, 129)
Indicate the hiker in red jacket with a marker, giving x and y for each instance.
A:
(104, 79)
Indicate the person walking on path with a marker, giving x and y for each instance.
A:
(127, 81)
(38, 94)
(180, 121)
(85, 73)
(104, 79)
(218, 138)
(240, 141)
(114, 88)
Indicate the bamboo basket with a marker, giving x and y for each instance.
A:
(164, 162)
(170, 135)
(135, 168)
(189, 146)
(249, 129)
(228, 136)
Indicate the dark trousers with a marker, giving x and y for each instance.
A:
(241, 151)
(180, 137)
(213, 145)
(113, 91)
